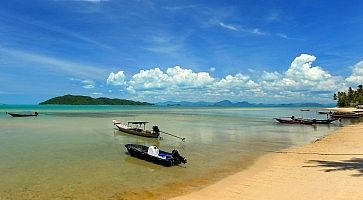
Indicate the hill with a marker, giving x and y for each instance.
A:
(86, 100)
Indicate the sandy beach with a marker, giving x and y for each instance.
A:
(329, 168)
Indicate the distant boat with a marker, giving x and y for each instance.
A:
(292, 120)
(23, 114)
(137, 128)
(304, 110)
(153, 154)
(345, 115)
(325, 112)
(324, 121)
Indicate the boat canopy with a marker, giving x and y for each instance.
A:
(137, 122)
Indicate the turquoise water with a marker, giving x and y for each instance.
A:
(74, 152)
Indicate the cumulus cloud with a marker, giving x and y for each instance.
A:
(357, 74)
(300, 81)
(235, 82)
(301, 77)
(270, 76)
(116, 79)
(176, 77)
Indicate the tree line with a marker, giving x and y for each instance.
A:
(350, 98)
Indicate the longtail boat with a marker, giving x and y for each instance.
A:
(153, 154)
(23, 114)
(345, 115)
(291, 120)
(137, 128)
(325, 121)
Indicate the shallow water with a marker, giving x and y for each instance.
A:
(74, 152)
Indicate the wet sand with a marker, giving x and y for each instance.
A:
(329, 168)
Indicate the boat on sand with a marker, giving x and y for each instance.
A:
(153, 154)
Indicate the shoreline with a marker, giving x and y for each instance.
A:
(329, 168)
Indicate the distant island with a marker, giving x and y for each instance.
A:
(86, 100)
(227, 103)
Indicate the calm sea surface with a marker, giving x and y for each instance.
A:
(74, 152)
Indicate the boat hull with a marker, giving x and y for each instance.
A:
(355, 115)
(324, 121)
(294, 121)
(140, 151)
(138, 132)
(22, 115)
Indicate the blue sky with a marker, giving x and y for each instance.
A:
(259, 51)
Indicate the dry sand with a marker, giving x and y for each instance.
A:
(348, 109)
(329, 168)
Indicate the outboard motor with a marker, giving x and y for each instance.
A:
(176, 155)
(156, 129)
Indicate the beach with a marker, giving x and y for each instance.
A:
(331, 167)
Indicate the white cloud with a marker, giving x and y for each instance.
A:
(235, 82)
(270, 76)
(93, 1)
(357, 74)
(176, 77)
(117, 79)
(212, 69)
(314, 78)
(148, 80)
(97, 93)
(302, 81)
(230, 27)
(86, 84)
(57, 64)
(282, 35)
(186, 77)
(89, 86)
(258, 32)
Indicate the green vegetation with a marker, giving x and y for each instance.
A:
(350, 98)
(86, 100)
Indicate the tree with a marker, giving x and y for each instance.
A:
(350, 98)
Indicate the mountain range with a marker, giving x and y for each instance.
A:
(227, 103)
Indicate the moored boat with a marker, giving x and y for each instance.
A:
(23, 114)
(345, 115)
(293, 120)
(324, 112)
(324, 121)
(137, 128)
(153, 154)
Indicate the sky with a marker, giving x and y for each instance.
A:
(155, 51)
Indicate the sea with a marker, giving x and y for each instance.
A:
(75, 152)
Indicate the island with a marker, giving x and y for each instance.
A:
(86, 100)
